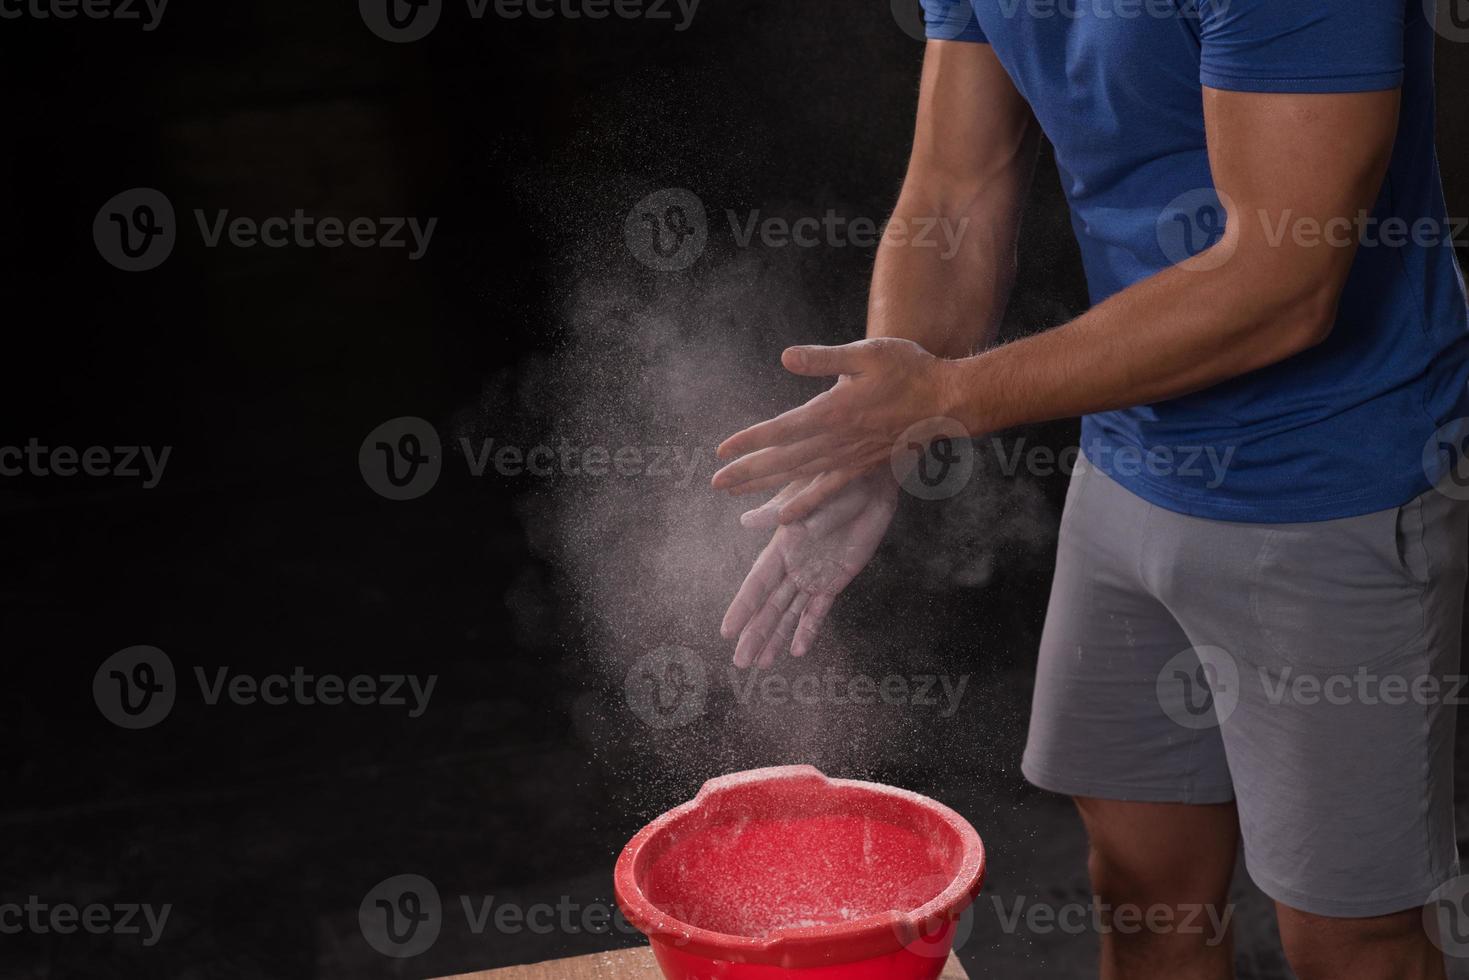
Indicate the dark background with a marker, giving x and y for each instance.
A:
(263, 549)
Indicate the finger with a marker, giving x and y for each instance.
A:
(761, 466)
(761, 580)
(788, 427)
(827, 454)
(815, 362)
(811, 620)
(804, 472)
(766, 517)
(784, 631)
(758, 630)
(823, 488)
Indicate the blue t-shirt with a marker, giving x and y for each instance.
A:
(1116, 85)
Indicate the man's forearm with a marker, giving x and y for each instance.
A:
(944, 271)
(1177, 332)
(948, 300)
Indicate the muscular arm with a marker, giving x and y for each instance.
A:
(1255, 298)
(1244, 304)
(973, 155)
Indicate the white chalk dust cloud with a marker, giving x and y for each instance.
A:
(663, 366)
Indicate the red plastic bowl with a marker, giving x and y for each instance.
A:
(784, 873)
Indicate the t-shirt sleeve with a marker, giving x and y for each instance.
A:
(951, 20)
(1301, 45)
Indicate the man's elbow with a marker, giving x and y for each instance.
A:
(1312, 317)
(1292, 313)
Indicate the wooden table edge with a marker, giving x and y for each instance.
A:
(623, 964)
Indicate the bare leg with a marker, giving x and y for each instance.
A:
(1385, 947)
(1148, 857)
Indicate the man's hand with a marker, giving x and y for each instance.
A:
(806, 565)
(887, 387)
(974, 150)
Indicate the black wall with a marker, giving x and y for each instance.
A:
(262, 548)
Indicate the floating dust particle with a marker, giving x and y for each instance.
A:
(661, 368)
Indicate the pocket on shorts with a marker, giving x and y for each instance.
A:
(1410, 529)
(1342, 593)
(1074, 491)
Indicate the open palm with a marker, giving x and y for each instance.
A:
(795, 581)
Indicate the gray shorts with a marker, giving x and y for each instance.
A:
(1308, 671)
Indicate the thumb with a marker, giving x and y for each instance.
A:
(814, 362)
